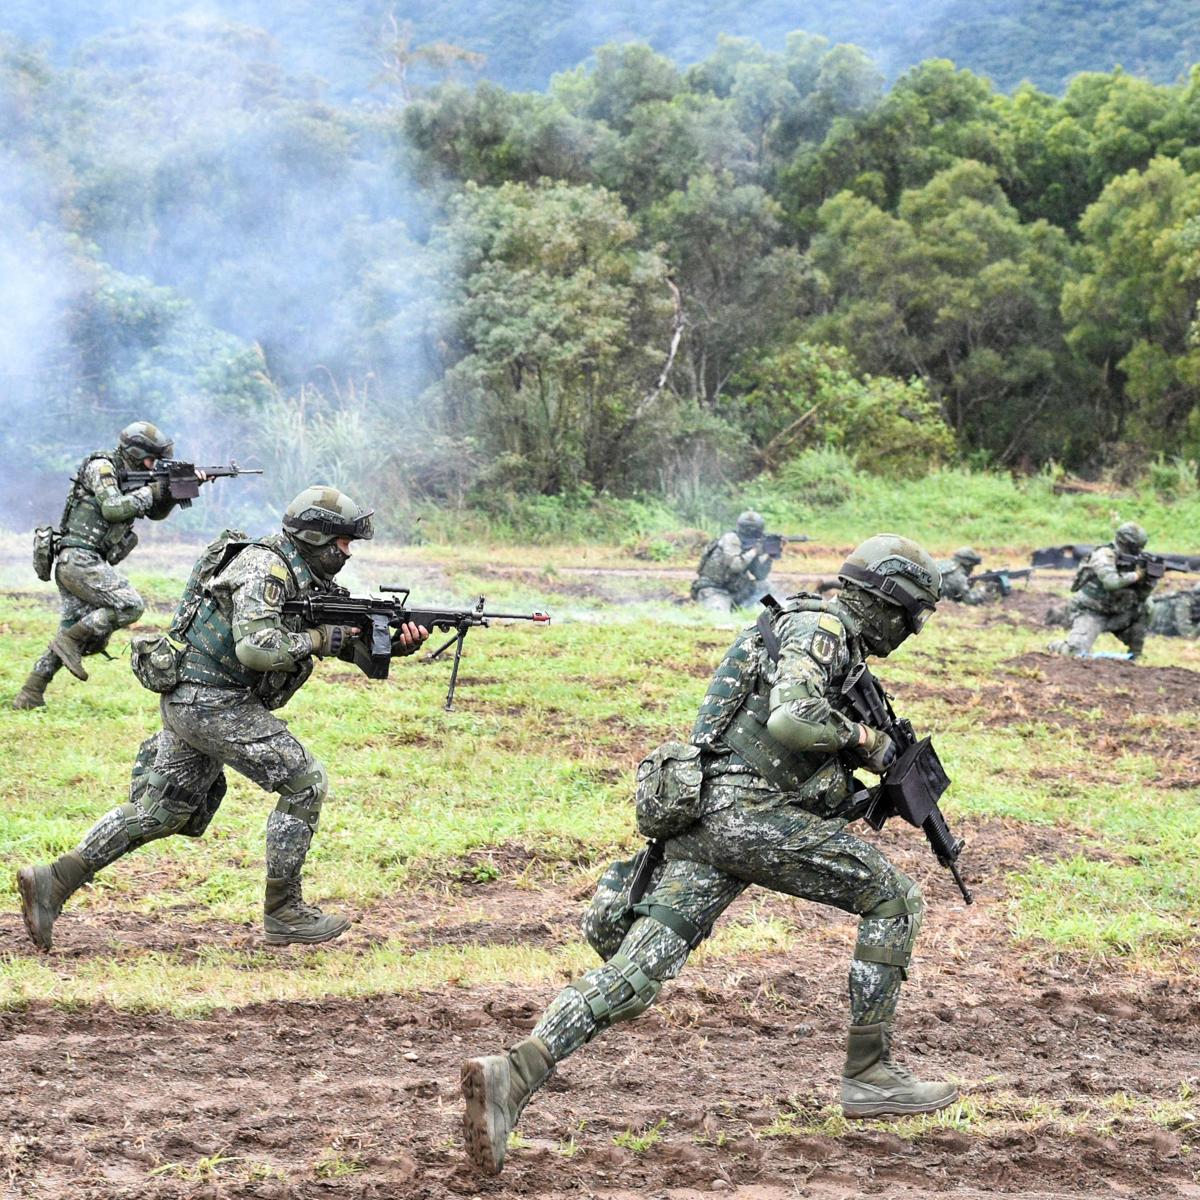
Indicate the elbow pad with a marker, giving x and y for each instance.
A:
(802, 735)
(257, 649)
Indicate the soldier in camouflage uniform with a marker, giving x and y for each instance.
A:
(733, 568)
(956, 578)
(1176, 614)
(1108, 599)
(769, 794)
(239, 658)
(97, 533)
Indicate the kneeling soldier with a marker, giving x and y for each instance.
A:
(761, 795)
(241, 658)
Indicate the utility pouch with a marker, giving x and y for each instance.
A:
(45, 548)
(156, 662)
(610, 915)
(915, 783)
(122, 549)
(668, 790)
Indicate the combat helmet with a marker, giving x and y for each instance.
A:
(967, 557)
(750, 525)
(1130, 538)
(320, 515)
(898, 571)
(141, 440)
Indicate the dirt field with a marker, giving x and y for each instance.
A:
(1082, 1075)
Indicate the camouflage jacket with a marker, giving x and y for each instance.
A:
(98, 516)
(1101, 587)
(731, 567)
(815, 645)
(957, 586)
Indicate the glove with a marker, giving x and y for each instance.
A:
(328, 640)
(878, 752)
(160, 491)
(772, 545)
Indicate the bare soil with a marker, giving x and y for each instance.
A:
(97, 1103)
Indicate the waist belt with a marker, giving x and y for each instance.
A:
(198, 667)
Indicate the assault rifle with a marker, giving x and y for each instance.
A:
(1003, 577)
(773, 543)
(377, 616)
(183, 484)
(914, 782)
(1157, 565)
(1074, 554)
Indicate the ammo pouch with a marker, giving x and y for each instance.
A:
(915, 783)
(156, 661)
(122, 549)
(45, 548)
(668, 790)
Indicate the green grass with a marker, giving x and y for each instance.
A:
(529, 781)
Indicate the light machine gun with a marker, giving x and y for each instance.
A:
(1003, 577)
(914, 782)
(183, 484)
(1157, 565)
(377, 616)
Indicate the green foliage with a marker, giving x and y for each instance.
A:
(810, 395)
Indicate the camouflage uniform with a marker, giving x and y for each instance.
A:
(733, 568)
(765, 814)
(1107, 600)
(1176, 614)
(241, 657)
(956, 579)
(97, 533)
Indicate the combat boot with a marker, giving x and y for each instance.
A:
(496, 1089)
(32, 693)
(874, 1086)
(288, 919)
(68, 645)
(44, 891)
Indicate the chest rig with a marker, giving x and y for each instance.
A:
(733, 716)
(83, 525)
(206, 626)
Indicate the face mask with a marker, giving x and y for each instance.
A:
(326, 560)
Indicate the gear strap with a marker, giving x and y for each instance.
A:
(158, 783)
(674, 920)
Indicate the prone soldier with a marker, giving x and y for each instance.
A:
(1109, 596)
(1176, 614)
(956, 578)
(233, 657)
(96, 534)
(762, 794)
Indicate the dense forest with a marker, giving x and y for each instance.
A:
(649, 278)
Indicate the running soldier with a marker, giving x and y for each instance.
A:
(238, 659)
(97, 533)
(762, 795)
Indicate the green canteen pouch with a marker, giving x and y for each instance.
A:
(45, 547)
(156, 661)
(668, 790)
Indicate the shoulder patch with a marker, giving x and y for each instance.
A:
(831, 624)
(823, 647)
(279, 570)
(105, 468)
(273, 591)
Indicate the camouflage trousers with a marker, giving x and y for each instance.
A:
(1087, 625)
(178, 789)
(94, 595)
(720, 600)
(781, 847)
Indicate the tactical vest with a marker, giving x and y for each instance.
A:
(733, 715)
(714, 570)
(1091, 594)
(211, 655)
(83, 525)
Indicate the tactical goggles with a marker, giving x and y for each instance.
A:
(916, 611)
(360, 527)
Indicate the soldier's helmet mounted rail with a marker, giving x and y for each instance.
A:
(898, 571)
(750, 524)
(967, 556)
(141, 440)
(1130, 537)
(321, 514)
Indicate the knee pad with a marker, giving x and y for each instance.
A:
(618, 991)
(165, 807)
(302, 795)
(129, 609)
(888, 932)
